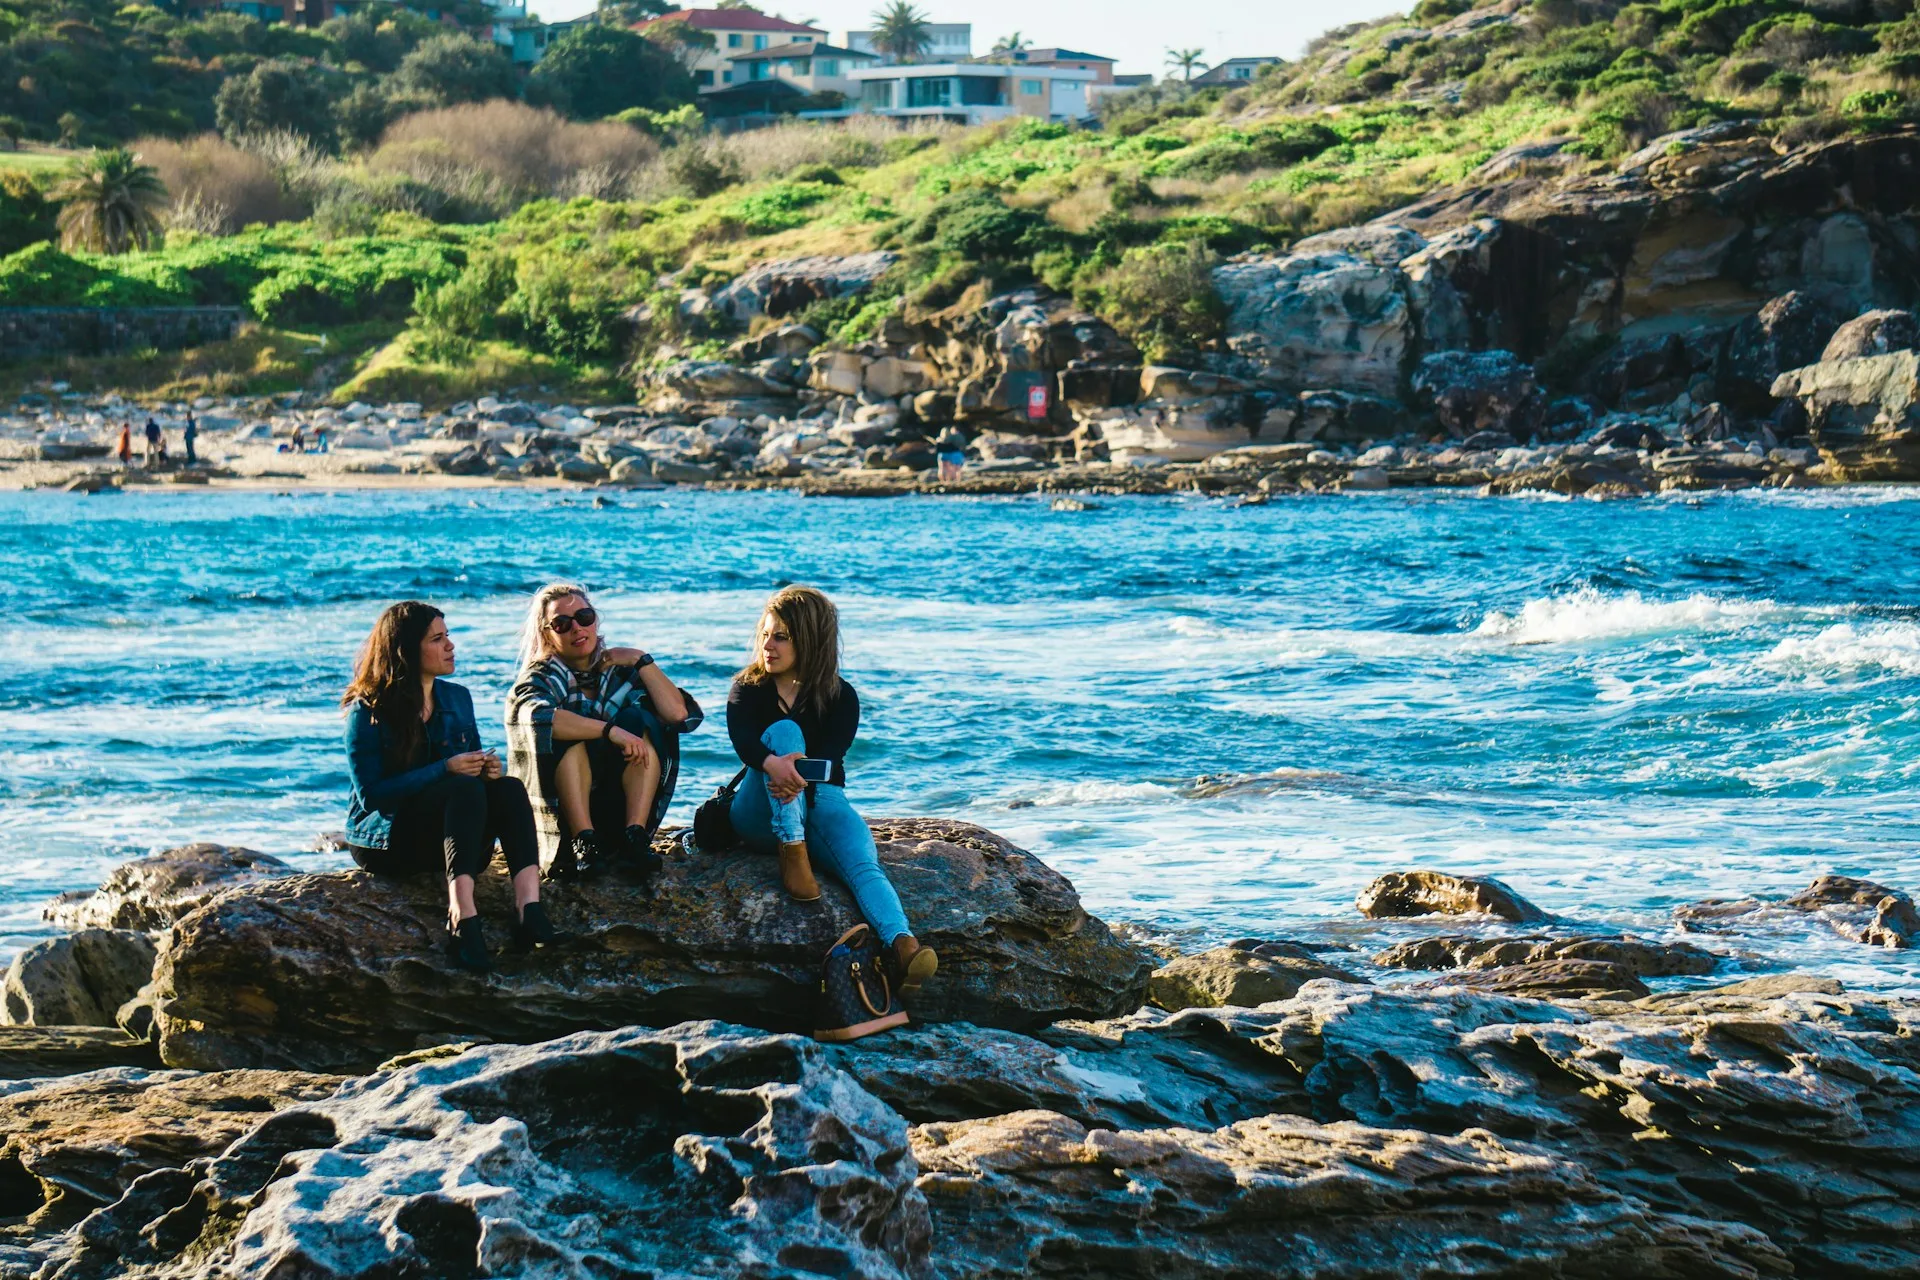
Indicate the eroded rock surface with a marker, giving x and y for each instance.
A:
(1239, 975)
(1642, 958)
(340, 971)
(33, 1053)
(151, 893)
(1861, 910)
(79, 980)
(1422, 893)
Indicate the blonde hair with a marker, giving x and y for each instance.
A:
(535, 642)
(813, 624)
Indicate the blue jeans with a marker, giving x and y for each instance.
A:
(837, 837)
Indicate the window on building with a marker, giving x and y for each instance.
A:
(877, 94)
(759, 42)
(756, 71)
(827, 67)
(1243, 73)
(979, 91)
(1033, 87)
(703, 79)
(726, 77)
(800, 66)
(733, 41)
(930, 92)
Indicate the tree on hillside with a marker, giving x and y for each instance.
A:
(626, 13)
(1186, 60)
(277, 96)
(378, 36)
(901, 31)
(682, 39)
(110, 203)
(450, 69)
(1012, 43)
(594, 71)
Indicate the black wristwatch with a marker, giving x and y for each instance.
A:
(644, 660)
(607, 733)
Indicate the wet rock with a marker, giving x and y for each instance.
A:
(1551, 979)
(1862, 910)
(84, 1140)
(79, 980)
(1035, 1192)
(674, 471)
(28, 1053)
(777, 289)
(340, 971)
(1641, 371)
(1789, 332)
(1366, 479)
(1873, 333)
(1241, 976)
(1420, 893)
(1328, 319)
(715, 380)
(702, 1151)
(1344, 417)
(1862, 414)
(463, 462)
(1637, 956)
(1776, 984)
(1481, 391)
(1632, 433)
(151, 893)
(579, 470)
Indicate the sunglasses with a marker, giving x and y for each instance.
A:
(561, 624)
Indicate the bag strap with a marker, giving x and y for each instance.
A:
(738, 778)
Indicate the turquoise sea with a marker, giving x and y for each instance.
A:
(1219, 721)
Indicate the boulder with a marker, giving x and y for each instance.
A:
(339, 971)
(1317, 320)
(791, 341)
(636, 472)
(79, 980)
(1637, 956)
(1862, 910)
(1366, 480)
(1344, 417)
(1476, 391)
(1191, 430)
(676, 471)
(1421, 893)
(891, 377)
(1862, 414)
(1789, 332)
(579, 469)
(463, 462)
(31, 1053)
(1553, 978)
(840, 373)
(1873, 333)
(1171, 385)
(705, 380)
(151, 893)
(708, 1150)
(777, 289)
(1239, 975)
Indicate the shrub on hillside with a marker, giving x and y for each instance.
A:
(493, 157)
(565, 306)
(1162, 297)
(450, 69)
(976, 224)
(26, 215)
(216, 187)
(593, 72)
(279, 96)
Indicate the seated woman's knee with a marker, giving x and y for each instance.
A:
(784, 738)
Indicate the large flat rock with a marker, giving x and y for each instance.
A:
(342, 970)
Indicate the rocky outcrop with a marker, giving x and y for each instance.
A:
(1638, 956)
(1859, 910)
(151, 893)
(1245, 974)
(30, 1053)
(1863, 414)
(1317, 319)
(777, 289)
(338, 971)
(1481, 391)
(1789, 332)
(1873, 333)
(1421, 893)
(79, 980)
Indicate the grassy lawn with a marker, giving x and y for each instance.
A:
(261, 361)
(38, 159)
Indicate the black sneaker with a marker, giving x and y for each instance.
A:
(641, 861)
(585, 847)
(467, 947)
(532, 929)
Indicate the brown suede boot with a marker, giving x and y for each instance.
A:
(796, 873)
(912, 963)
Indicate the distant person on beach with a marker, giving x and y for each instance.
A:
(427, 798)
(126, 444)
(320, 439)
(595, 733)
(156, 443)
(789, 704)
(188, 436)
(299, 439)
(950, 451)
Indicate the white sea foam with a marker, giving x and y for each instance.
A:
(1588, 614)
(1077, 793)
(1849, 649)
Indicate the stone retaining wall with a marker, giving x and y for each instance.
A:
(26, 332)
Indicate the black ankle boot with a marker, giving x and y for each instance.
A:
(467, 946)
(641, 860)
(586, 854)
(532, 929)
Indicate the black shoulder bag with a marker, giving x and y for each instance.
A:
(713, 820)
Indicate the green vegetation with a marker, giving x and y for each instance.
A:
(489, 240)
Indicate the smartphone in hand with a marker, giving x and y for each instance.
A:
(812, 770)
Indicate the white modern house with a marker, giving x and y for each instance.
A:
(946, 42)
(973, 92)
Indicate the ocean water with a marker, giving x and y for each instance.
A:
(1218, 721)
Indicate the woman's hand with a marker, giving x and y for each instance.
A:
(632, 745)
(783, 780)
(468, 764)
(494, 767)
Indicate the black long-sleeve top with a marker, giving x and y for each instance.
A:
(753, 707)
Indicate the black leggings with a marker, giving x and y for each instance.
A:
(451, 827)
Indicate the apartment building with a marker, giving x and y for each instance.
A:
(946, 42)
(735, 32)
(812, 67)
(973, 92)
(1236, 71)
(1067, 59)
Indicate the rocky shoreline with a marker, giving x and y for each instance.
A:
(310, 1089)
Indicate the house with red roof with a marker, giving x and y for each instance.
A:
(735, 32)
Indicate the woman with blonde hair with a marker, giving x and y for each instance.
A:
(426, 797)
(595, 733)
(790, 703)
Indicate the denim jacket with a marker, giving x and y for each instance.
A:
(379, 791)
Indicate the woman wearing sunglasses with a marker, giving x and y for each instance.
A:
(595, 732)
(426, 797)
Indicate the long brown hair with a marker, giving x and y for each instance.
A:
(387, 675)
(813, 624)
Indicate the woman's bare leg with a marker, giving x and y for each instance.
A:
(573, 779)
(641, 783)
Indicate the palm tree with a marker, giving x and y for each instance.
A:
(1011, 43)
(1186, 60)
(901, 31)
(111, 203)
